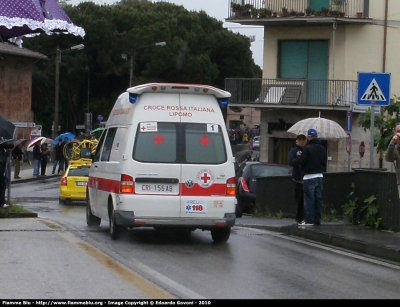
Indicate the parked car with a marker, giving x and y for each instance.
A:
(256, 143)
(246, 182)
(74, 181)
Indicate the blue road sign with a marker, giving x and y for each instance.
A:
(100, 118)
(349, 120)
(373, 89)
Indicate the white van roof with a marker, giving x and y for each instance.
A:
(123, 110)
(179, 88)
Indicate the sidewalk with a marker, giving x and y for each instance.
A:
(361, 239)
(26, 173)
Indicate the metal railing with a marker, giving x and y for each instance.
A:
(286, 8)
(292, 91)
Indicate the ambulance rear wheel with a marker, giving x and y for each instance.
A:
(114, 227)
(220, 235)
(91, 220)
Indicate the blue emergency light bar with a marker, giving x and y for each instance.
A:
(133, 98)
(223, 102)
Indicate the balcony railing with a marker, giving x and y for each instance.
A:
(295, 92)
(264, 9)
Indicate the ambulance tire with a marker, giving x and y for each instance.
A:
(114, 229)
(91, 220)
(220, 235)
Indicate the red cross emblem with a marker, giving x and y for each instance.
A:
(205, 178)
(158, 139)
(205, 140)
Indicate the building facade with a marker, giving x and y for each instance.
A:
(16, 85)
(313, 53)
(243, 118)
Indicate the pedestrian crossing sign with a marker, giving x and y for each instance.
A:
(373, 89)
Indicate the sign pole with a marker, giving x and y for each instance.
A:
(348, 163)
(373, 90)
(371, 153)
(361, 150)
(348, 149)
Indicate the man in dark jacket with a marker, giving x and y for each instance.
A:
(66, 140)
(44, 158)
(297, 175)
(58, 157)
(4, 147)
(3, 184)
(313, 159)
(17, 156)
(36, 159)
(393, 152)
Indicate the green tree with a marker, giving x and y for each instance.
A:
(198, 50)
(385, 124)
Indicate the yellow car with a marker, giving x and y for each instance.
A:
(74, 181)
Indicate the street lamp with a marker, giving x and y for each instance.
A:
(57, 89)
(88, 86)
(161, 44)
(88, 115)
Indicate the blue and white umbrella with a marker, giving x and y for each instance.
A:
(69, 135)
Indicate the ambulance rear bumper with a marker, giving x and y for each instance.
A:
(128, 219)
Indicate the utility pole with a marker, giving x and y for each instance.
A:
(57, 91)
(57, 85)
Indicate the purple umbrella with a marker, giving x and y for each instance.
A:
(31, 17)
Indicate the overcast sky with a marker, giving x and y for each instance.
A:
(214, 8)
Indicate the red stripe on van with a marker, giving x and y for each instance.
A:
(215, 189)
(105, 184)
(114, 185)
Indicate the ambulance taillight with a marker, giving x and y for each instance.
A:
(127, 184)
(231, 186)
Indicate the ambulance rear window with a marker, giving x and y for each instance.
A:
(166, 142)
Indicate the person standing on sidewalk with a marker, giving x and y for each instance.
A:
(3, 183)
(17, 156)
(65, 150)
(313, 159)
(59, 157)
(44, 158)
(245, 137)
(250, 145)
(297, 176)
(393, 153)
(36, 159)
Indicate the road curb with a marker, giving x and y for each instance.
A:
(41, 178)
(13, 215)
(390, 253)
(376, 250)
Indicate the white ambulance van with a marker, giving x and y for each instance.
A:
(164, 160)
